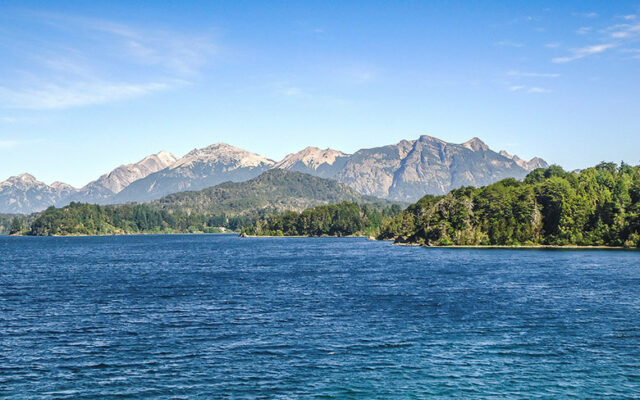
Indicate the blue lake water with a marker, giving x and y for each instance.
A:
(215, 316)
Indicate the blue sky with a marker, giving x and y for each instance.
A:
(87, 86)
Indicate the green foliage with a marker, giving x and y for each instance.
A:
(343, 219)
(230, 205)
(274, 191)
(12, 224)
(597, 206)
(90, 219)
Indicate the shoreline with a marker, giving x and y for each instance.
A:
(369, 238)
(129, 234)
(519, 246)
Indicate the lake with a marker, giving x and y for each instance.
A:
(216, 316)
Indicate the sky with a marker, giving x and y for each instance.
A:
(87, 86)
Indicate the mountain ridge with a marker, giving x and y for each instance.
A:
(403, 171)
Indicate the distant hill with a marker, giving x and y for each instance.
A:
(230, 204)
(275, 190)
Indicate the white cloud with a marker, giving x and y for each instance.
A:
(53, 96)
(586, 15)
(584, 30)
(635, 52)
(536, 89)
(528, 89)
(6, 144)
(291, 91)
(584, 52)
(552, 45)
(509, 43)
(532, 74)
(625, 31)
(113, 62)
(11, 143)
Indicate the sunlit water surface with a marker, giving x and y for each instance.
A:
(215, 316)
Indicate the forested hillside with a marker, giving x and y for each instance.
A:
(275, 190)
(229, 205)
(344, 219)
(597, 206)
(91, 219)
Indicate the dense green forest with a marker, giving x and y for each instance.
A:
(343, 219)
(230, 205)
(14, 223)
(91, 219)
(596, 206)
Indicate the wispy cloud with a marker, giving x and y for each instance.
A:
(112, 62)
(521, 74)
(584, 52)
(635, 53)
(583, 30)
(509, 43)
(528, 89)
(586, 15)
(536, 89)
(54, 96)
(11, 143)
(624, 31)
(552, 45)
(291, 91)
(6, 144)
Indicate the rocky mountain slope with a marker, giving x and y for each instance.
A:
(199, 169)
(312, 160)
(404, 171)
(408, 170)
(105, 187)
(534, 163)
(24, 194)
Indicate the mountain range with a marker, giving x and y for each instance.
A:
(230, 205)
(404, 171)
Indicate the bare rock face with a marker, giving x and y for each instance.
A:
(372, 171)
(436, 167)
(24, 194)
(408, 170)
(404, 171)
(105, 187)
(199, 169)
(312, 160)
(534, 163)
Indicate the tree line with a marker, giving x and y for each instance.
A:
(598, 206)
(91, 219)
(342, 219)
